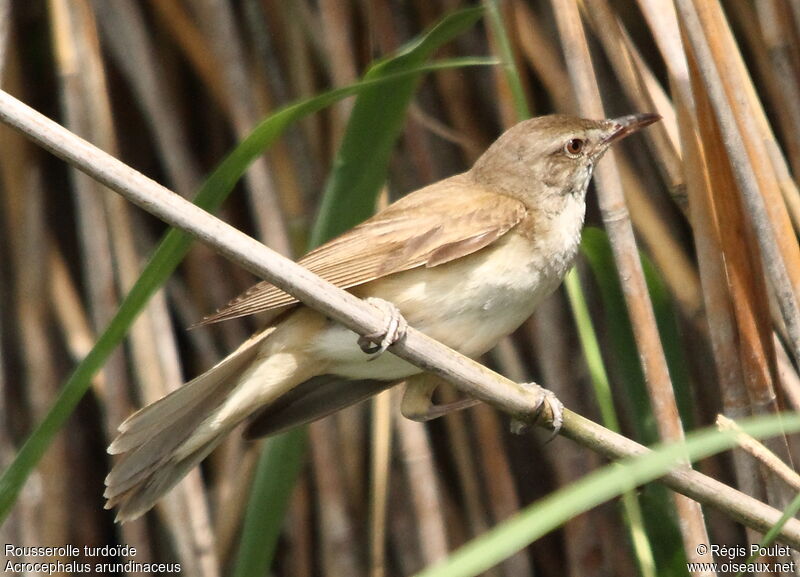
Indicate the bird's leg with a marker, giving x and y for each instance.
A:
(556, 406)
(417, 404)
(396, 325)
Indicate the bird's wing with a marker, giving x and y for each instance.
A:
(426, 228)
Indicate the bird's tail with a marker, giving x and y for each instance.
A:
(163, 441)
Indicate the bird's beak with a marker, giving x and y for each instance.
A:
(627, 125)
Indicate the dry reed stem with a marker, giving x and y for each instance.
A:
(417, 458)
(351, 432)
(464, 460)
(18, 166)
(789, 189)
(380, 473)
(232, 494)
(616, 218)
(755, 131)
(720, 66)
(509, 359)
(218, 23)
(747, 286)
(757, 449)
(748, 22)
(541, 55)
(775, 266)
(453, 88)
(499, 486)
(661, 101)
(708, 245)
(50, 518)
(417, 145)
(626, 256)
(506, 106)
(292, 176)
(554, 353)
(336, 18)
(719, 310)
(80, 73)
(501, 493)
(5, 10)
(339, 550)
(228, 52)
(790, 381)
(662, 19)
(83, 87)
(300, 549)
(629, 70)
(127, 41)
(403, 537)
(436, 127)
(107, 240)
(293, 43)
(336, 22)
(665, 248)
(173, 15)
(70, 315)
(778, 37)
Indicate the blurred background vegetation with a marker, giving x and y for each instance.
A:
(171, 86)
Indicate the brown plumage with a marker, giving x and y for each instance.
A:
(465, 260)
(411, 232)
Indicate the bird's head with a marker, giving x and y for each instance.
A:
(552, 157)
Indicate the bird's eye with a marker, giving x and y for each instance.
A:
(574, 146)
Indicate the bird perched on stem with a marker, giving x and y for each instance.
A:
(465, 260)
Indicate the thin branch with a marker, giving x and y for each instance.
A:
(757, 449)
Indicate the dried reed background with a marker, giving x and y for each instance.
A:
(170, 87)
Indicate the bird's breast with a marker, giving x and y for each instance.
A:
(468, 304)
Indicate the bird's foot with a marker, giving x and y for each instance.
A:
(418, 405)
(556, 408)
(396, 326)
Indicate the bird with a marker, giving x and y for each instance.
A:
(465, 260)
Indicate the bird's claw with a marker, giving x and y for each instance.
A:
(556, 407)
(396, 326)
